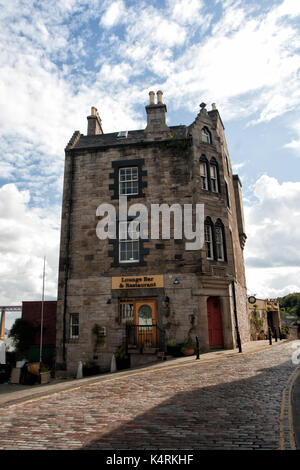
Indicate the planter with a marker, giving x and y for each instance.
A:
(188, 352)
(174, 350)
(88, 371)
(122, 363)
(45, 377)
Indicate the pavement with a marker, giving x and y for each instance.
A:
(225, 400)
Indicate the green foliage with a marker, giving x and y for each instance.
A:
(171, 342)
(285, 330)
(257, 322)
(23, 335)
(187, 345)
(121, 352)
(290, 304)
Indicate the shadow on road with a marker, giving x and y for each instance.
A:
(237, 414)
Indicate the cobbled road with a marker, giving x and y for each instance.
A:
(226, 403)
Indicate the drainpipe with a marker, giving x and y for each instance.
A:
(238, 338)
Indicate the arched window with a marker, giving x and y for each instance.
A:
(206, 135)
(204, 176)
(209, 238)
(221, 254)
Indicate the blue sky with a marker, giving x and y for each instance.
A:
(59, 58)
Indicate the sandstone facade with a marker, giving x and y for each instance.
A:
(167, 161)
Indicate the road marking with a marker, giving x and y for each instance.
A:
(287, 409)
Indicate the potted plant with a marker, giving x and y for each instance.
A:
(173, 348)
(285, 330)
(90, 368)
(188, 348)
(44, 374)
(261, 335)
(122, 358)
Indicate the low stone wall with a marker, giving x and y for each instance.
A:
(294, 332)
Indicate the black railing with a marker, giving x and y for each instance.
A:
(145, 337)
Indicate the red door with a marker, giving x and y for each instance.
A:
(215, 329)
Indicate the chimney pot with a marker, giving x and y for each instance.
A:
(151, 96)
(159, 97)
(214, 106)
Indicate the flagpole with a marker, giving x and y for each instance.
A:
(42, 312)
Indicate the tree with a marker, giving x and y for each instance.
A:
(23, 335)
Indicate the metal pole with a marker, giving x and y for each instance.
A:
(270, 336)
(238, 338)
(197, 348)
(42, 312)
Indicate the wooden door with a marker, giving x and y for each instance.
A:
(215, 328)
(146, 321)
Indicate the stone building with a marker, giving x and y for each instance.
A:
(264, 314)
(145, 292)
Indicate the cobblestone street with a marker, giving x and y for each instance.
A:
(229, 402)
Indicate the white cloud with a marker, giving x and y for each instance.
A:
(26, 235)
(114, 14)
(272, 224)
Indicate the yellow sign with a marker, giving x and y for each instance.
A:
(137, 282)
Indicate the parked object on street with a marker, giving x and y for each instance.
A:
(79, 371)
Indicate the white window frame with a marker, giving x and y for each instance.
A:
(126, 312)
(128, 177)
(74, 324)
(127, 242)
(203, 176)
(214, 178)
(209, 246)
(219, 243)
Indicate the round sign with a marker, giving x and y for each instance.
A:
(251, 299)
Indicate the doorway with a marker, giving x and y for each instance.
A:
(215, 327)
(140, 317)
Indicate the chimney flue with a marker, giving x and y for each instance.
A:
(159, 97)
(151, 98)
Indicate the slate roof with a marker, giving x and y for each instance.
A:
(112, 139)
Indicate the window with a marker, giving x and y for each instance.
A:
(219, 243)
(203, 175)
(208, 241)
(128, 181)
(74, 326)
(227, 195)
(205, 135)
(129, 243)
(126, 311)
(214, 178)
(227, 165)
(122, 134)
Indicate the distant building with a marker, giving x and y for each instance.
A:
(31, 312)
(264, 314)
(146, 291)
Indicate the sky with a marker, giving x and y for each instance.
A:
(60, 57)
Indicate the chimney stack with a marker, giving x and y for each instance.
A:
(94, 123)
(156, 117)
